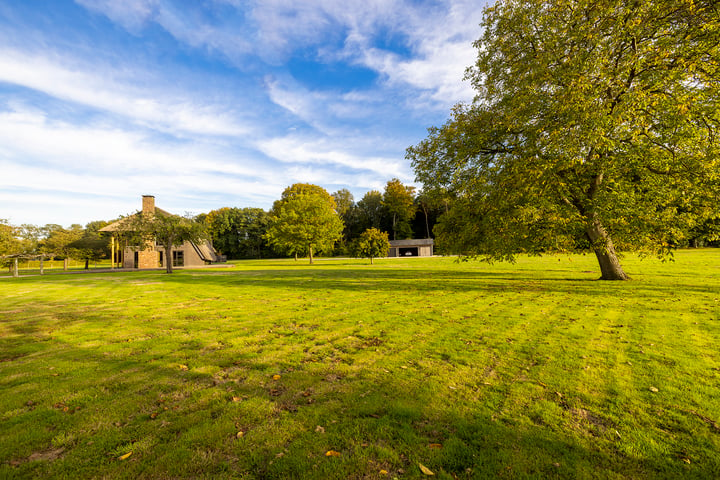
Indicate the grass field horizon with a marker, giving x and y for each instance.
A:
(279, 369)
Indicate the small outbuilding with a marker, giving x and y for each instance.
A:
(422, 247)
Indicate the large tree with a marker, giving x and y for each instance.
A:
(593, 119)
(304, 221)
(399, 202)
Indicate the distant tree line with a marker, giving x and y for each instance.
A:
(306, 220)
(398, 211)
(54, 241)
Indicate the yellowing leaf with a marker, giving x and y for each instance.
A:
(183, 367)
(276, 377)
(436, 445)
(332, 453)
(383, 472)
(123, 457)
(425, 470)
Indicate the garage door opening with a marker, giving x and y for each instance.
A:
(409, 252)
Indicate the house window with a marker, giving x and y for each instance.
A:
(178, 258)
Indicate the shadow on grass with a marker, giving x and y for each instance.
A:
(429, 281)
(180, 421)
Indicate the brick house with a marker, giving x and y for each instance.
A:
(189, 254)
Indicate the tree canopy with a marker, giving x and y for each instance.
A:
(167, 230)
(595, 124)
(303, 222)
(398, 201)
(372, 243)
(238, 232)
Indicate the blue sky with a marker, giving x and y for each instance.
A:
(217, 103)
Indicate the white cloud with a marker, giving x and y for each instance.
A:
(177, 114)
(131, 14)
(327, 152)
(439, 35)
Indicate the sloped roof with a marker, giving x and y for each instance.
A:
(417, 242)
(116, 226)
(206, 251)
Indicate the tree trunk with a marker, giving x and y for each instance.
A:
(371, 260)
(311, 257)
(87, 264)
(610, 267)
(168, 260)
(427, 223)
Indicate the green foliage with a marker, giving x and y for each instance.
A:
(91, 246)
(57, 240)
(371, 243)
(344, 201)
(596, 120)
(304, 222)
(8, 238)
(306, 189)
(371, 210)
(348, 212)
(238, 232)
(166, 230)
(398, 201)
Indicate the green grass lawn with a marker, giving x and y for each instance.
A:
(278, 369)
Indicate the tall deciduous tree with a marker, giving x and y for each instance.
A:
(304, 222)
(398, 200)
(592, 118)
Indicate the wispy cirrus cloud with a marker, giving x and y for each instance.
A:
(97, 86)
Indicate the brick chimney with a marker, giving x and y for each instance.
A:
(148, 204)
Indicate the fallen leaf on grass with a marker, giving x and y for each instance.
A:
(332, 453)
(654, 389)
(436, 445)
(383, 472)
(240, 434)
(124, 457)
(276, 377)
(425, 470)
(320, 429)
(183, 367)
